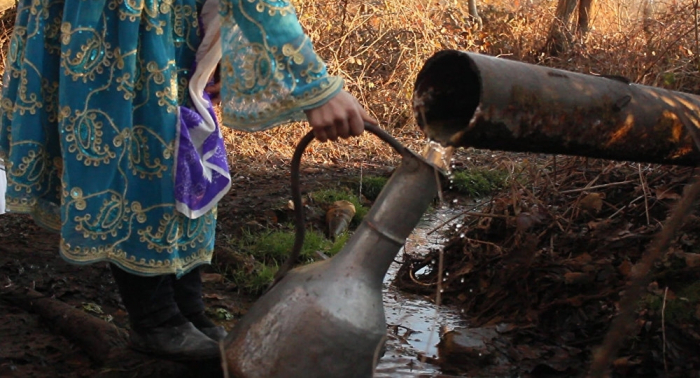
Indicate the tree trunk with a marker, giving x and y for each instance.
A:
(559, 34)
(647, 23)
(584, 16)
(474, 13)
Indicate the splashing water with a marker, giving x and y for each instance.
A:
(414, 327)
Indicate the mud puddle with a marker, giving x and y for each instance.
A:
(414, 321)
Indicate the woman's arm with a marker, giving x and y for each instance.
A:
(271, 74)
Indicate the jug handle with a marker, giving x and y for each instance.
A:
(299, 221)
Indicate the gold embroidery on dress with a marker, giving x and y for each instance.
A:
(175, 232)
(111, 216)
(94, 54)
(99, 221)
(116, 254)
(141, 161)
(84, 131)
(282, 7)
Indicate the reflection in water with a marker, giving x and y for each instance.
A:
(414, 322)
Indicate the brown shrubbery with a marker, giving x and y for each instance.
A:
(379, 46)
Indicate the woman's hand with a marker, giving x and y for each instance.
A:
(342, 116)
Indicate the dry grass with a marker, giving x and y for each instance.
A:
(6, 21)
(379, 46)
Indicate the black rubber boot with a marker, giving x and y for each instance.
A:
(183, 342)
(158, 326)
(188, 296)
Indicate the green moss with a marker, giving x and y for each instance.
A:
(477, 182)
(255, 281)
(338, 244)
(679, 309)
(219, 313)
(372, 186)
(273, 247)
(259, 254)
(691, 292)
(268, 250)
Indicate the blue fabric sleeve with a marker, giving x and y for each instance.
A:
(270, 72)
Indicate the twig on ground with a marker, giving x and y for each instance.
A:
(224, 361)
(663, 329)
(624, 207)
(415, 280)
(645, 190)
(596, 187)
(498, 248)
(488, 215)
(443, 224)
(377, 351)
(438, 300)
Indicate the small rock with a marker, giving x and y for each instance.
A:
(339, 217)
(692, 260)
(625, 268)
(592, 203)
(212, 277)
(471, 346)
(577, 278)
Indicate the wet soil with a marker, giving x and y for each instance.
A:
(31, 347)
(540, 266)
(541, 270)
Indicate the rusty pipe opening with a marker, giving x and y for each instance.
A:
(449, 89)
(465, 99)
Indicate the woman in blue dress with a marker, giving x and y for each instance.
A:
(109, 137)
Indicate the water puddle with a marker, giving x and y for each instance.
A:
(414, 321)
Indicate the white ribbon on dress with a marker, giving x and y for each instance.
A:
(202, 175)
(3, 187)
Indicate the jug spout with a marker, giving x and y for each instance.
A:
(396, 212)
(327, 319)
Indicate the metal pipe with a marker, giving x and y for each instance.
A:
(464, 99)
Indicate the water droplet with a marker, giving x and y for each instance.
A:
(447, 274)
(471, 290)
(444, 279)
(442, 290)
(454, 200)
(461, 236)
(462, 280)
(432, 261)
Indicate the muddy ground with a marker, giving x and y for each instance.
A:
(30, 347)
(543, 263)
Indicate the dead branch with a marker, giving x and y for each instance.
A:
(105, 343)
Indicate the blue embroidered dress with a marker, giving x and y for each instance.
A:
(107, 135)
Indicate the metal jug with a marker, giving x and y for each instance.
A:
(327, 319)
